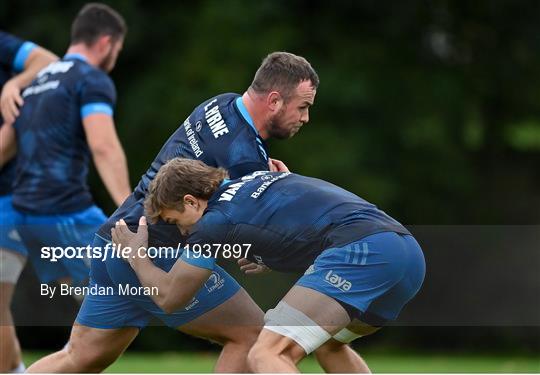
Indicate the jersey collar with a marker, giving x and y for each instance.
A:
(245, 114)
(76, 56)
(224, 182)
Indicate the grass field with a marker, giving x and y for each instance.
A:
(140, 362)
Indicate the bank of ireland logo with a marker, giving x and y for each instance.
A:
(198, 126)
(215, 281)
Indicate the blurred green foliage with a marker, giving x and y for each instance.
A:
(429, 109)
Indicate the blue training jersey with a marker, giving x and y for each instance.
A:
(287, 218)
(53, 154)
(13, 55)
(219, 132)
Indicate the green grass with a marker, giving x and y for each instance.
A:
(140, 362)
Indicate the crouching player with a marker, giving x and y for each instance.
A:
(361, 265)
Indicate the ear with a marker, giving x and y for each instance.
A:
(190, 200)
(104, 43)
(274, 101)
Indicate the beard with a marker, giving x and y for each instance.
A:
(107, 64)
(278, 129)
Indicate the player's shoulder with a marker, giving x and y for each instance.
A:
(218, 117)
(94, 75)
(214, 224)
(9, 46)
(91, 79)
(10, 40)
(221, 100)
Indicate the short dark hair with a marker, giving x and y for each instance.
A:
(95, 20)
(282, 72)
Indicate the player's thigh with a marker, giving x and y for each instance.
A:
(90, 345)
(351, 332)
(301, 322)
(323, 310)
(237, 319)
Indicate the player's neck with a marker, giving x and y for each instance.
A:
(256, 111)
(83, 50)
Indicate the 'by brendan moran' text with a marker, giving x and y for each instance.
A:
(96, 290)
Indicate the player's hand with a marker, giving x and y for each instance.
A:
(250, 268)
(10, 101)
(276, 165)
(137, 242)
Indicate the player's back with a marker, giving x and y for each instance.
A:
(288, 218)
(53, 153)
(217, 132)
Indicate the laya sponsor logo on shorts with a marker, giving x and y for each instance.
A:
(214, 282)
(337, 281)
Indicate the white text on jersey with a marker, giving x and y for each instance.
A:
(215, 120)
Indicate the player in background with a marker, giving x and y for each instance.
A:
(19, 63)
(67, 118)
(361, 266)
(228, 130)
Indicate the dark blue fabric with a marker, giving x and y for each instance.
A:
(53, 154)
(215, 133)
(288, 219)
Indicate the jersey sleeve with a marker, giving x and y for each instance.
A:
(14, 52)
(239, 170)
(97, 95)
(210, 230)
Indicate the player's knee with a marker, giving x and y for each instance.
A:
(330, 347)
(256, 355)
(241, 336)
(89, 359)
(266, 350)
(249, 335)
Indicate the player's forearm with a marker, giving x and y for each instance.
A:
(151, 276)
(38, 59)
(8, 144)
(169, 297)
(112, 167)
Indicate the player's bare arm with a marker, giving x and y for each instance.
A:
(8, 144)
(108, 154)
(11, 99)
(177, 287)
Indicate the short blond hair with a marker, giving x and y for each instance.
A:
(177, 178)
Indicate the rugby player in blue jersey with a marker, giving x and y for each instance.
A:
(66, 119)
(361, 266)
(229, 131)
(19, 63)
